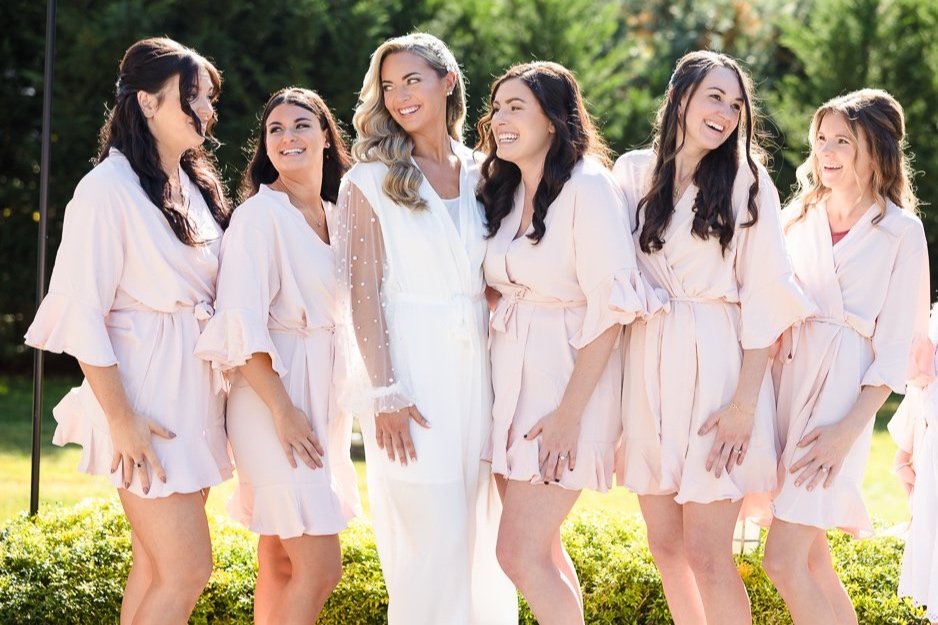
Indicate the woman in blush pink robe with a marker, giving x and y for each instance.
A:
(132, 286)
(273, 333)
(914, 428)
(860, 253)
(698, 407)
(562, 262)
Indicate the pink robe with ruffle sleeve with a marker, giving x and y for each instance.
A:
(277, 295)
(683, 363)
(557, 296)
(125, 291)
(871, 289)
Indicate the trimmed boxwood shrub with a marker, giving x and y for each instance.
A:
(67, 567)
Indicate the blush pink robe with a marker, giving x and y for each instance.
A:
(125, 291)
(872, 293)
(276, 295)
(557, 296)
(682, 364)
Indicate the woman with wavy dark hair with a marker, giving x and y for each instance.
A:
(273, 333)
(698, 404)
(133, 282)
(562, 262)
(409, 245)
(859, 250)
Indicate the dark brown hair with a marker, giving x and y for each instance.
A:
(146, 66)
(575, 136)
(335, 158)
(716, 172)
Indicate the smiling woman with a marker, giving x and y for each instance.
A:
(410, 245)
(133, 282)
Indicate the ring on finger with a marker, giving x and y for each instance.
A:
(562, 457)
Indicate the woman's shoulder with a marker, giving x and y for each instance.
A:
(634, 161)
(901, 223)
(589, 173)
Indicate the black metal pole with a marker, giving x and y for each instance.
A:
(41, 261)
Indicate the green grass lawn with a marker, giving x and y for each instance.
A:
(61, 484)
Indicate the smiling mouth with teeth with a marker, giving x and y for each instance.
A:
(410, 110)
(292, 151)
(508, 137)
(713, 126)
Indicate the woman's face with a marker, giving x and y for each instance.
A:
(844, 162)
(520, 128)
(713, 113)
(414, 94)
(294, 139)
(173, 129)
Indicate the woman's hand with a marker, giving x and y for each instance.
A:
(902, 467)
(826, 448)
(297, 437)
(559, 433)
(133, 448)
(734, 429)
(392, 432)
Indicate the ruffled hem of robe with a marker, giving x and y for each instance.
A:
(290, 510)
(190, 465)
(593, 470)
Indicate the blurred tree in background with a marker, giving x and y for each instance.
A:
(800, 52)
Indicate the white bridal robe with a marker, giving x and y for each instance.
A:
(125, 291)
(415, 334)
(871, 289)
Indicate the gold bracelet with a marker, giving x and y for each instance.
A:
(734, 406)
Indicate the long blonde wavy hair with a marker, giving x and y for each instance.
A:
(380, 138)
(876, 115)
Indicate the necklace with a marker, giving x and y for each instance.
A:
(315, 215)
(681, 184)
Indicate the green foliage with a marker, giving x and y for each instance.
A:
(800, 53)
(68, 567)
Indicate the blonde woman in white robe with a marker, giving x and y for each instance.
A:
(859, 252)
(410, 244)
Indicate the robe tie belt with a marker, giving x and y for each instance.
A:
(505, 317)
(465, 310)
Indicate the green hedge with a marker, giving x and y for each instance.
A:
(67, 567)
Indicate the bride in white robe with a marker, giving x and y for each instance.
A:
(410, 244)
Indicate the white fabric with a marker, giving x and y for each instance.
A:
(416, 330)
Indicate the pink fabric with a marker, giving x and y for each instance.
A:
(872, 293)
(557, 297)
(126, 291)
(683, 363)
(276, 295)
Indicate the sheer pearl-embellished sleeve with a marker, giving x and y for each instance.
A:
(360, 262)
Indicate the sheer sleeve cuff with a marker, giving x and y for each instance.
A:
(620, 299)
(390, 398)
(232, 336)
(771, 309)
(63, 324)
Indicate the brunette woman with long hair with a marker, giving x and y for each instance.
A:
(698, 404)
(273, 332)
(563, 265)
(133, 282)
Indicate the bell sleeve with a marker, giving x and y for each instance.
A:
(605, 262)
(248, 281)
(87, 271)
(770, 299)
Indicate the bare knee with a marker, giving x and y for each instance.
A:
(781, 566)
(707, 560)
(188, 578)
(667, 551)
(319, 578)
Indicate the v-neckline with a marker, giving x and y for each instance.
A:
(285, 199)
